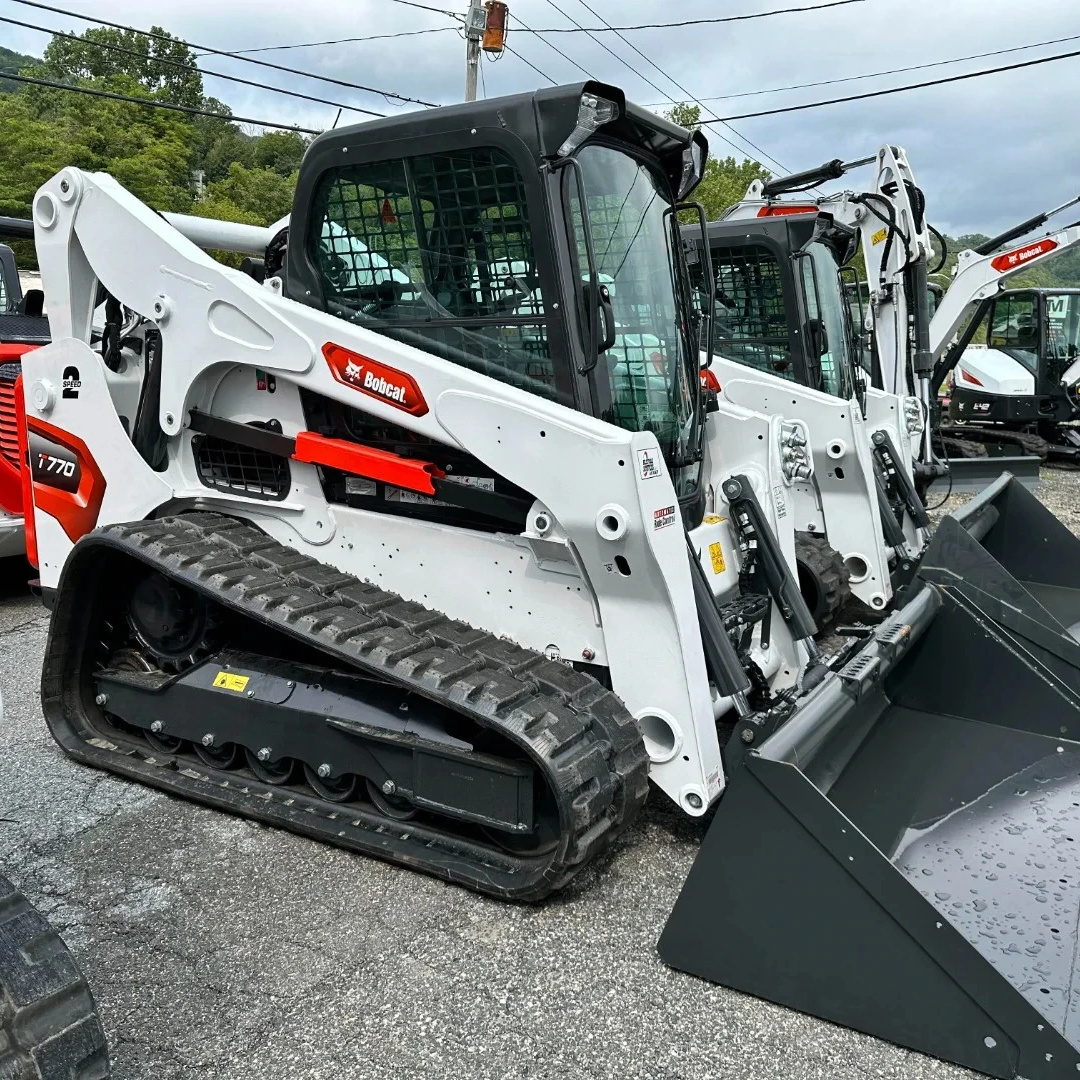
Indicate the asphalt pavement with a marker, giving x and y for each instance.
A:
(223, 949)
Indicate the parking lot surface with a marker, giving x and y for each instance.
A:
(225, 949)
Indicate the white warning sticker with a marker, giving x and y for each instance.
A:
(648, 464)
(663, 517)
(780, 501)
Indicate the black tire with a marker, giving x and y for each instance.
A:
(824, 580)
(49, 1028)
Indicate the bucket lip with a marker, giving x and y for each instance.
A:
(982, 499)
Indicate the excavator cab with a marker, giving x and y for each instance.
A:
(1024, 379)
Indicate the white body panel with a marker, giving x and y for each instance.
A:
(842, 500)
(990, 371)
(561, 591)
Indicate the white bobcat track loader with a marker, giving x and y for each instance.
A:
(445, 573)
(782, 344)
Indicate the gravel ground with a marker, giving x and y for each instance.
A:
(223, 948)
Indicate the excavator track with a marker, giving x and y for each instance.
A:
(576, 734)
(49, 1028)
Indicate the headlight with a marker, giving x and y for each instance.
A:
(593, 113)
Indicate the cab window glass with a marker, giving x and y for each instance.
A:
(1014, 326)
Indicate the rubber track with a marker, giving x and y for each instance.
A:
(49, 1029)
(1029, 442)
(576, 731)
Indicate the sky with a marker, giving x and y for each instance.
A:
(988, 152)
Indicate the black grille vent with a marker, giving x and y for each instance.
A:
(228, 466)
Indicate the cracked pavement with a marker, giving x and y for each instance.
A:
(226, 949)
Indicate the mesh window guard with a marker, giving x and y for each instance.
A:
(751, 320)
(437, 251)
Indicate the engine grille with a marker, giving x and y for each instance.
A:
(228, 466)
(9, 432)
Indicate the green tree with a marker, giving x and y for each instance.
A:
(161, 64)
(255, 196)
(725, 180)
(280, 151)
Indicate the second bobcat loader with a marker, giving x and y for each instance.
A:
(424, 539)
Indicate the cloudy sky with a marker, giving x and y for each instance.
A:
(988, 152)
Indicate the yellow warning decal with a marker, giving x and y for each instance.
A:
(879, 236)
(225, 680)
(716, 553)
(713, 519)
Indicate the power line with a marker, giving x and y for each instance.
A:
(150, 104)
(425, 7)
(608, 28)
(901, 89)
(877, 74)
(222, 52)
(630, 67)
(527, 63)
(697, 102)
(343, 41)
(187, 67)
(554, 48)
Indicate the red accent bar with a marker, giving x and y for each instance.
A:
(784, 209)
(968, 377)
(709, 381)
(349, 457)
(29, 522)
(14, 352)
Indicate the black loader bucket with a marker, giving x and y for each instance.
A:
(902, 856)
(1006, 556)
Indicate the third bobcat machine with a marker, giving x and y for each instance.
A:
(424, 539)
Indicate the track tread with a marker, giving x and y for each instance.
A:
(49, 1029)
(571, 726)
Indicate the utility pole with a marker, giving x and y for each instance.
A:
(485, 28)
(475, 23)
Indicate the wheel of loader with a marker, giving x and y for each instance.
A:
(824, 580)
(49, 1028)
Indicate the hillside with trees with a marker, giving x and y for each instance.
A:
(206, 165)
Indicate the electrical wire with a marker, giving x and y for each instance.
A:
(877, 74)
(108, 47)
(555, 48)
(425, 7)
(389, 94)
(342, 41)
(528, 63)
(150, 104)
(903, 89)
(607, 28)
(665, 75)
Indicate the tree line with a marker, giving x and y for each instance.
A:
(208, 166)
